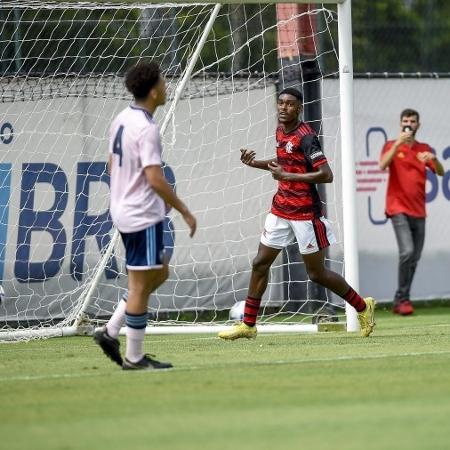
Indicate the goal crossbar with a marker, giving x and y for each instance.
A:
(231, 2)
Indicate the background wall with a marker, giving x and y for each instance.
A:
(378, 103)
(54, 196)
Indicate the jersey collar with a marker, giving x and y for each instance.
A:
(142, 109)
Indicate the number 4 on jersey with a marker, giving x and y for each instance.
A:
(117, 145)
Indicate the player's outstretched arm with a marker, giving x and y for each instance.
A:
(248, 158)
(155, 177)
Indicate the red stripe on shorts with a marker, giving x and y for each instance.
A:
(320, 230)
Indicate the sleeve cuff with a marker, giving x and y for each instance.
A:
(319, 163)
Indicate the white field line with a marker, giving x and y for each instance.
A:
(220, 366)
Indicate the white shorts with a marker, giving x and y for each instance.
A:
(312, 235)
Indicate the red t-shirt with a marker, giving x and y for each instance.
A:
(298, 151)
(407, 177)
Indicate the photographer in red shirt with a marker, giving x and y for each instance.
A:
(408, 161)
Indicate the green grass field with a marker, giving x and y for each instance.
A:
(322, 391)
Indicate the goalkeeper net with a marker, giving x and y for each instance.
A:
(61, 84)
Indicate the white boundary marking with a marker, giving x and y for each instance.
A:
(218, 366)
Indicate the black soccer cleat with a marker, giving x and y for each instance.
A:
(109, 345)
(146, 363)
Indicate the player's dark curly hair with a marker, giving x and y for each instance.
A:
(294, 92)
(141, 77)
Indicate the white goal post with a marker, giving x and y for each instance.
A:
(61, 71)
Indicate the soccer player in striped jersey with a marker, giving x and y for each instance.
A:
(296, 213)
(139, 194)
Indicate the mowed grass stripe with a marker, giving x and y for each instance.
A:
(230, 365)
(329, 391)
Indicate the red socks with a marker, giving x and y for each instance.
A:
(251, 310)
(355, 300)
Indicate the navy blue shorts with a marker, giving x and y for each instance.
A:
(144, 249)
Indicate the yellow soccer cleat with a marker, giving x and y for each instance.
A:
(240, 330)
(366, 318)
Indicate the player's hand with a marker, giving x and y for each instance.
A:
(277, 171)
(426, 156)
(191, 222)
(247, 156)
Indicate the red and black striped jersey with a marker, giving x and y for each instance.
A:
(298, 151)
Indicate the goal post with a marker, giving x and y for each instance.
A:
(348, 156)
(61, 83)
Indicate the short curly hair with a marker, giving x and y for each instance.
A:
(142, 77)
(294, 92)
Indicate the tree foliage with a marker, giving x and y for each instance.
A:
(388, 35)
(401, 35)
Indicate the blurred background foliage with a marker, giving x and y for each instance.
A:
(388, 36)
(401, 35)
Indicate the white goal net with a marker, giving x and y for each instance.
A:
(61, 83)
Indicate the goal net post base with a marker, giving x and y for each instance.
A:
(41, 333)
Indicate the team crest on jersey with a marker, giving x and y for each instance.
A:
(289, 147)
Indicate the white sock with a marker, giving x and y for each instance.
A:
(135, 344)
(117, 320)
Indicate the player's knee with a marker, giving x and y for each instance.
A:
(260, 265)
(159, 277)
(141, 291)
(316, 275)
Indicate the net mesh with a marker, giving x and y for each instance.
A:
(61, 84)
